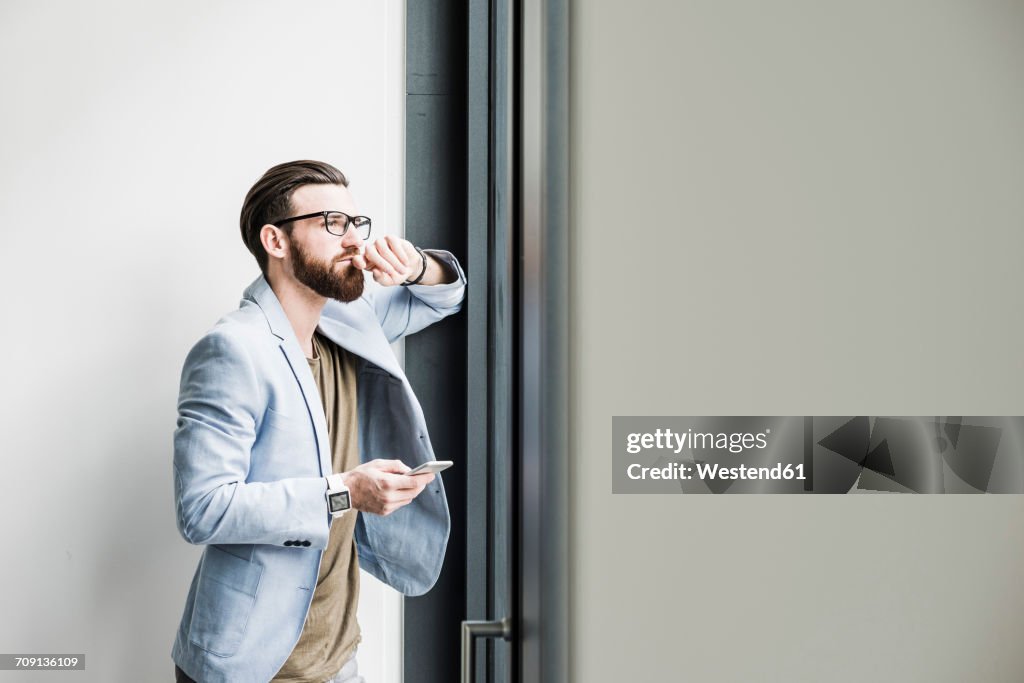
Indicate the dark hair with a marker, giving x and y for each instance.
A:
(269, 200)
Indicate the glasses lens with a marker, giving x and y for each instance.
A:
(362, 225)
(337, 222)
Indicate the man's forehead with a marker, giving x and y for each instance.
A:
(311, 198)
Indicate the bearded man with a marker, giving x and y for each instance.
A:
(296, 426)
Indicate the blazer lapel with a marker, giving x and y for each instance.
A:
(260, 292)
(355, 328)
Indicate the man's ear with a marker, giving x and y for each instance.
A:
(274, 240)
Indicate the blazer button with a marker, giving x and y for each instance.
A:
(306, 543)
(289, 543)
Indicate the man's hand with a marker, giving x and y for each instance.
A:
(391, 260)
(381, 486)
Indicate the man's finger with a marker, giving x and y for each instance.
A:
(412, 254)
(378, 262)
(423, 478)
(396, 246)
(391, 258)
(372, 257)
(401, 483)
(396, 466)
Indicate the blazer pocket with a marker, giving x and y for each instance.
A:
(225, 596)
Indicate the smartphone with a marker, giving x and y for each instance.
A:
(434, 466)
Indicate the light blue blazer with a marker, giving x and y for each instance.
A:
(250, 456)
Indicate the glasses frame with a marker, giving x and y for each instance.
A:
(327, 223)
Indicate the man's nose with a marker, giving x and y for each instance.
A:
(352, 238)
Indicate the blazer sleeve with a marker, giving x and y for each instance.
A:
(220, 406)
(406, 310)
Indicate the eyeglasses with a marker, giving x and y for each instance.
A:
(335, 222)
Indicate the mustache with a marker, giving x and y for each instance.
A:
(351, 251)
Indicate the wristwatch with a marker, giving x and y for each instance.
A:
(338, 498)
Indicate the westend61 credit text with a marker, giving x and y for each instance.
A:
(703, 470)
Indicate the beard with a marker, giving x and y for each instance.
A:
(322, 278)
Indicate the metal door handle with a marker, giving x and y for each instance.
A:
(471, 630)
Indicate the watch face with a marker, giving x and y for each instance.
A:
(339, 501)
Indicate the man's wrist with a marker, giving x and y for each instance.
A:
(438, 271)
(337, 495)
(423, 269)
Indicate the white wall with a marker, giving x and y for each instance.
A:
(130, 134)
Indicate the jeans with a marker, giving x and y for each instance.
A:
(348, 674)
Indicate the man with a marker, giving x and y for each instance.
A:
(292, 409)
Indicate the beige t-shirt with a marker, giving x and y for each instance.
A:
(331, 632)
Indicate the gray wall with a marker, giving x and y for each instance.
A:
(795, 207)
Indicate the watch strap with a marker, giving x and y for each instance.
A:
(336, 482)
(423, 271)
